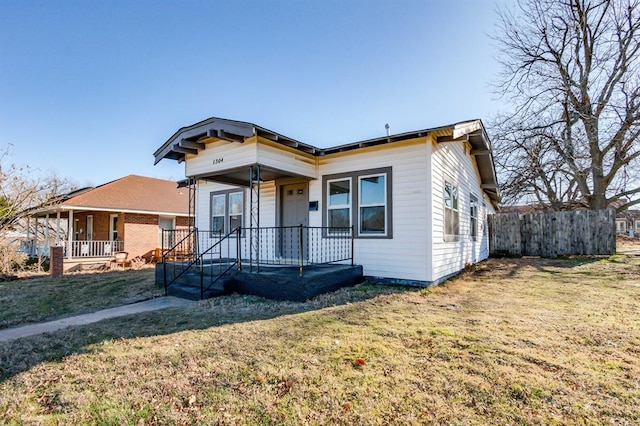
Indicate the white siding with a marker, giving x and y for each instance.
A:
(417, 250)
(281, 158)
(221, 156)
(451, 161)
(405, 256)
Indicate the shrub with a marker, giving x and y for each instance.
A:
(10, 259)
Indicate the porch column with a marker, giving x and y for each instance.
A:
(35, 237)
(58, 227)
(29, 245)
(70, 235)
(46, 233)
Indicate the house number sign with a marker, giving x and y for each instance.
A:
(217, 160)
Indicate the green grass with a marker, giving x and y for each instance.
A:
(44, 298)
(516, 341)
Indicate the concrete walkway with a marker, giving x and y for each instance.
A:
(120, 311)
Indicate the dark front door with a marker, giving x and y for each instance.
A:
(294, 212)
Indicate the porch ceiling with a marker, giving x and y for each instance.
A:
(241, 176)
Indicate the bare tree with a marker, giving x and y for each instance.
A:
(571, 69)
(21, 189)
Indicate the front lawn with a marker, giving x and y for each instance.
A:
(43, 298)
(517, 341)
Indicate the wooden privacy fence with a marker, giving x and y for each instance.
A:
(580, 232)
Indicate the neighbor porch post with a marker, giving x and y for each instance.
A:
(58, 227)
(46, 234)
(29, 245)
(70, 235)
(35, 237)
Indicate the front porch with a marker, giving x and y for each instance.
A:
(283, 263)
(78, 255)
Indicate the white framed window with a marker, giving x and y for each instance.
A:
(473, 214)
(451, 212)
(372, 204)
(227, 211)
(339, 203)
(638, 225)
(218, 209)
(236, 207)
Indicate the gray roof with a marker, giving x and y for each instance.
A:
(191, 139)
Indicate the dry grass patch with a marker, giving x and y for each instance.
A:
(43, 298)
(511, 341)
(627, 244)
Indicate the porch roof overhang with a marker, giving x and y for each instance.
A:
(64, 209)
(192, 139)
(474, 134)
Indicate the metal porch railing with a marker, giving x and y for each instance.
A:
(212, 255)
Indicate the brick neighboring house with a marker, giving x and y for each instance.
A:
(127, 214)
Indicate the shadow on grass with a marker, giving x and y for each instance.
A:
(511, 267)
(22, 354)
(43, 298)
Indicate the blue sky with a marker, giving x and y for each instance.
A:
(90, 89)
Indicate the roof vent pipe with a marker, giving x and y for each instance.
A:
(386, 126)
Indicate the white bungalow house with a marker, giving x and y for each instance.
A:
(415, 203)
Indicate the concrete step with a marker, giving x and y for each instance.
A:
(189, 288)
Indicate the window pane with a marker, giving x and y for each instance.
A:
(339, 193)
(217, 224)
(455, 223)
(372, 190)
(454, 197)
(372, 219)
(235, 203)
(235, 222)
(447, 195)
(339, 218)
(217, 205)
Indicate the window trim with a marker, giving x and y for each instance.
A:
(113, 227)
(474, 210)
(353, 177)
(227, 216)
(360, 206)
(451, 210)
(339, 206)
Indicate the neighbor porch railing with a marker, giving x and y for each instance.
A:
(79, 249)
(253, 248)
(82, 249)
